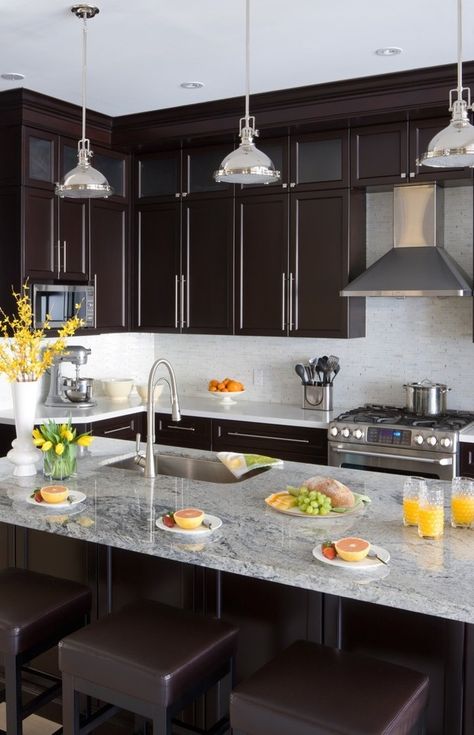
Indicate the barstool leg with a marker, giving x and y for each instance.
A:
(13, 695)
(161, 721)
(71, 710)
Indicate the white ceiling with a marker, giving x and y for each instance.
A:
(140, 50)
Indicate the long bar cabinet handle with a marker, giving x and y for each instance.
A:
(176, 287)
(64, 256)
(283, 302)
(444, 461)
(290, 300)
(183, 320)
(273, 438)
(59, 258)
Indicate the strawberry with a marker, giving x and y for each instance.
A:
(168, 520)
(37, 496)
(329, 550)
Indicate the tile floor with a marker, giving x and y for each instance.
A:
(33, 725)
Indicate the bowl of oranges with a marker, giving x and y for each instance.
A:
(226, 390)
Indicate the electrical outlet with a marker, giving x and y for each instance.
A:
(258, 376)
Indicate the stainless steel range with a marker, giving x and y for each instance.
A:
(389, 439)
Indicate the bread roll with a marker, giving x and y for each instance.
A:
(341, 496)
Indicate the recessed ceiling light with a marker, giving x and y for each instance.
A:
(389, 51)
(192, 85)
(12, 76)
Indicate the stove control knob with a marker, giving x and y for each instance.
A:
(418, 439)
(446, 442)
(334, 431)
(432, 441)
(358, 434)
(345, 433)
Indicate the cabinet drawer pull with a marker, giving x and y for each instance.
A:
(119, 428)
(273, 438)
(181, 428)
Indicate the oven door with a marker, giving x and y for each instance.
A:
(393, 460)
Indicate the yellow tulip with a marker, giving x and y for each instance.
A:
(68, 435)
(37, 434)
(85, 440)
(62, 429)
(46, 446)
(59, 448)
(38, 442)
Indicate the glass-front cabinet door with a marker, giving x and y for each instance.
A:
(159, 176)
(40, 150)
(320, 160)
(199, 165)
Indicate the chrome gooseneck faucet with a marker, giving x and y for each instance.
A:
(150, 470)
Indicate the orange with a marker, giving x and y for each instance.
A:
(189, 517)
(352, 549)
(54, 493)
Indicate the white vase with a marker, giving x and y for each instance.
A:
(24, 454)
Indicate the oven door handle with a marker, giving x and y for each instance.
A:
(444, 461)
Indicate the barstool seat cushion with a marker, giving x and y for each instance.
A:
(36, 607)
(316, 690)
(148, 650)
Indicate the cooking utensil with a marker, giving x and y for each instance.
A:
(302, 372)
(335, 372)
(315, 376)
(332, 364)
(426, 398)
(322, 366)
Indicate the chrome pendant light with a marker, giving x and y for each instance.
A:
(84, 181)
(247, 165)
(454, 146)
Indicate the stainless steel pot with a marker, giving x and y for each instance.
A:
(426, 398)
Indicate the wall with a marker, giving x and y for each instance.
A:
(407, 339)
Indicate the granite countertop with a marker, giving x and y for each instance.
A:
(433, 577)
(208, 407)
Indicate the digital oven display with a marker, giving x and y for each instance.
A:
(396, 437)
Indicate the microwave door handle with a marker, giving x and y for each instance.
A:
(444, 461)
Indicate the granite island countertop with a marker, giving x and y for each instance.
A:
(432, 577)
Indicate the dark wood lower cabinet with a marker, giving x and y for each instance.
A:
(466, 459)
(119, 427)
(192, 432)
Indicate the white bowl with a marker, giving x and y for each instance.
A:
(142, 391)
(117, 388)
(226, 398)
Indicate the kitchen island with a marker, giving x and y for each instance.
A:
(258, 546)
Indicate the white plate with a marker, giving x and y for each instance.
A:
(358, 507)
(226, 398)
(75, 498)
(369, 564)
(199, 531)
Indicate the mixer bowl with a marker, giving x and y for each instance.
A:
(80, 391)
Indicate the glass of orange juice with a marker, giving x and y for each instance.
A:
(431, 512)
(411, 491)
(462, 502)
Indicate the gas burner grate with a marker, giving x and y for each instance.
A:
(376, 413)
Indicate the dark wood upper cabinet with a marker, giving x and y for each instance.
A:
(109, 263)
(379, 154)
(199, 165)
(39, 233)
(320, 160)
(72, 252)
(319, 266)
(206, 284)
(40, 158)
(261, 264)
(158, 176)
(421, 133)
(158, 266)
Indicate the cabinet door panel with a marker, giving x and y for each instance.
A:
(320, 160)
(39, 158)
(73, 248)
(320, 242)
(109, 258)
(379, 154)
(39, 233)
(262, 265)
(159, 176)
(158, 266)
(199, 165)
(195, 432)
(208, 248)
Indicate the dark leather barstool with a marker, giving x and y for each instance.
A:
(36, 611)
(316, 690)
(148, 658)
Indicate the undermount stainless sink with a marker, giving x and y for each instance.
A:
(205, 470)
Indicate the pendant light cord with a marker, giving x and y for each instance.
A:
(247, 62)
(459, 49)
(84, 73)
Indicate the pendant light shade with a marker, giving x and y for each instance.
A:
(454, 145)
(247, 164)
(84, 181)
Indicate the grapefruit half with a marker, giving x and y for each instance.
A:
(352, 548)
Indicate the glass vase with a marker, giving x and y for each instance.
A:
(60, 466)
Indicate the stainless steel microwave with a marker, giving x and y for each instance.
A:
(59, 303)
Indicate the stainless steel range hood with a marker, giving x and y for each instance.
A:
(417, 265)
